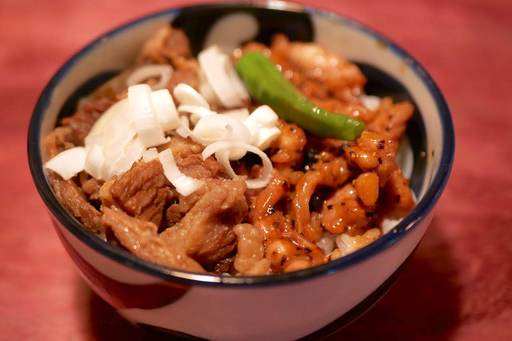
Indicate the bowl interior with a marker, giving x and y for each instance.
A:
(390, 71)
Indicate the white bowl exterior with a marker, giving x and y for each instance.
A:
(284, 312)
(281, 311)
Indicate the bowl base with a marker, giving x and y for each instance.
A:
(328, 330)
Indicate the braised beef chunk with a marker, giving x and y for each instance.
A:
(171, 46)
(82, 121)
(225, 266)
(140, 237)
(143, 191)
(186, 71)
(196, 167)
(218, 243)
(60, 139)
(89, 185)
(205, 232)
(182, 205)
(188, 157)
(165, 45)
(73, 198)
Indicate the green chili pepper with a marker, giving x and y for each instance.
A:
(268, 86)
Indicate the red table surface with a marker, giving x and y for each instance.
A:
(457, 286)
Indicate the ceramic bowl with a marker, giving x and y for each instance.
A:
(287, 306)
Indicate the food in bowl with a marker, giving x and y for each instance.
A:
(261, 160)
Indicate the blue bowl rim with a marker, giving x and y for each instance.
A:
(423, 207)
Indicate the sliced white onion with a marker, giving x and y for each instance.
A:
(222, 77)
(220, 150)
(264, 116)
(236, 83)
(163, 72)
(110, 117)
(165, 110)
(116, 139)
(187, 95)
(206, 90)
(185, 185)
(150, 154)
(239, 114)
(196, 112)
(265, 137)
(346, 243)
(184, 128)
(94, 139)
(262, 125)
(219, 128)
(95, 163)
(131, 153)
(222, 128)
(143, 116)
(68, 163)
(326, 243)
(388, 224)
(371, 103)
(184, 131)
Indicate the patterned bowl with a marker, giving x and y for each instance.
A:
(286, 306)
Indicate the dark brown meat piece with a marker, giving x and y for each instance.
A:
(177, 210)
(73, 198)
(142, 192)
(185, 71)
(165, 45)
(196, 167)
(225, 266)
(141, 238)
(89, 185)
(206, 231)
(82, 121)
(190, 161)
(171, 46)
(59, 139)
(188, 158)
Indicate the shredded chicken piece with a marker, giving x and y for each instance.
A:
(333, 174)
(316, 71)
(391, 118)
(399, 195)
(289, 144)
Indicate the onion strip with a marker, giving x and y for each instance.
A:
(221, 150)
(145, 72)
(68, 163)
(185, 185)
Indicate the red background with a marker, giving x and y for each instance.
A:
(458, 285)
